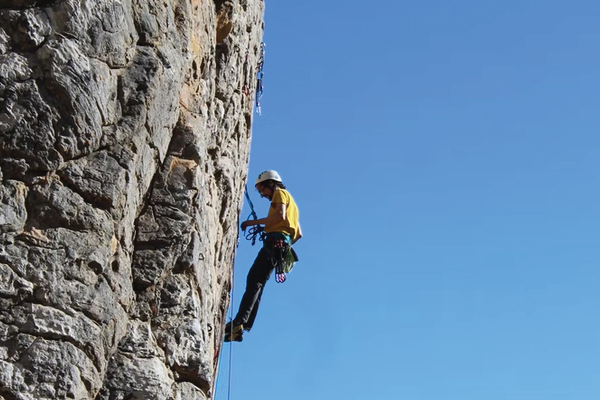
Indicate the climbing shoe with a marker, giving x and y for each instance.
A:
(234, 337)
(234, 334)
(235, 325)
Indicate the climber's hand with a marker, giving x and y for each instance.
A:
(246, 224)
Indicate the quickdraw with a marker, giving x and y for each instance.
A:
(259, 77)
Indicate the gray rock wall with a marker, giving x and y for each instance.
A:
(124, 139)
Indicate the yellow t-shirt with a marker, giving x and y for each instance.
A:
(291, 223)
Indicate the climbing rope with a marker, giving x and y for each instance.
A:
(231, 343)
(230, 368)
(255, 231)
(259, 77)
(252, 212)
(232, 310)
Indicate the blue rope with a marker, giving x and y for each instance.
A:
(255, 231)
(252, 212)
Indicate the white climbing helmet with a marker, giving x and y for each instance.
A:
(265, 176)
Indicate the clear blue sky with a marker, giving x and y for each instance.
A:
(445, 157)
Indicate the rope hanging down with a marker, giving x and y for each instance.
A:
(252, 235)
(256, 230)
(259, 77)
(231, 343)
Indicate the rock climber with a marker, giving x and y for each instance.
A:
(282, 229)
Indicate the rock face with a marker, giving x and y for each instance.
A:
(124, 139)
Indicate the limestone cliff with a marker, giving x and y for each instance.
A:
(124, 139)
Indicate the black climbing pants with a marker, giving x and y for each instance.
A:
(257, 278)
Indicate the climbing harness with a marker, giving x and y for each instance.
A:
(282, 255)
(259, 77)
(279, 245)
(255, 231)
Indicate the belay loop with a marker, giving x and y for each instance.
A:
(256, 230)
(259, 77)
